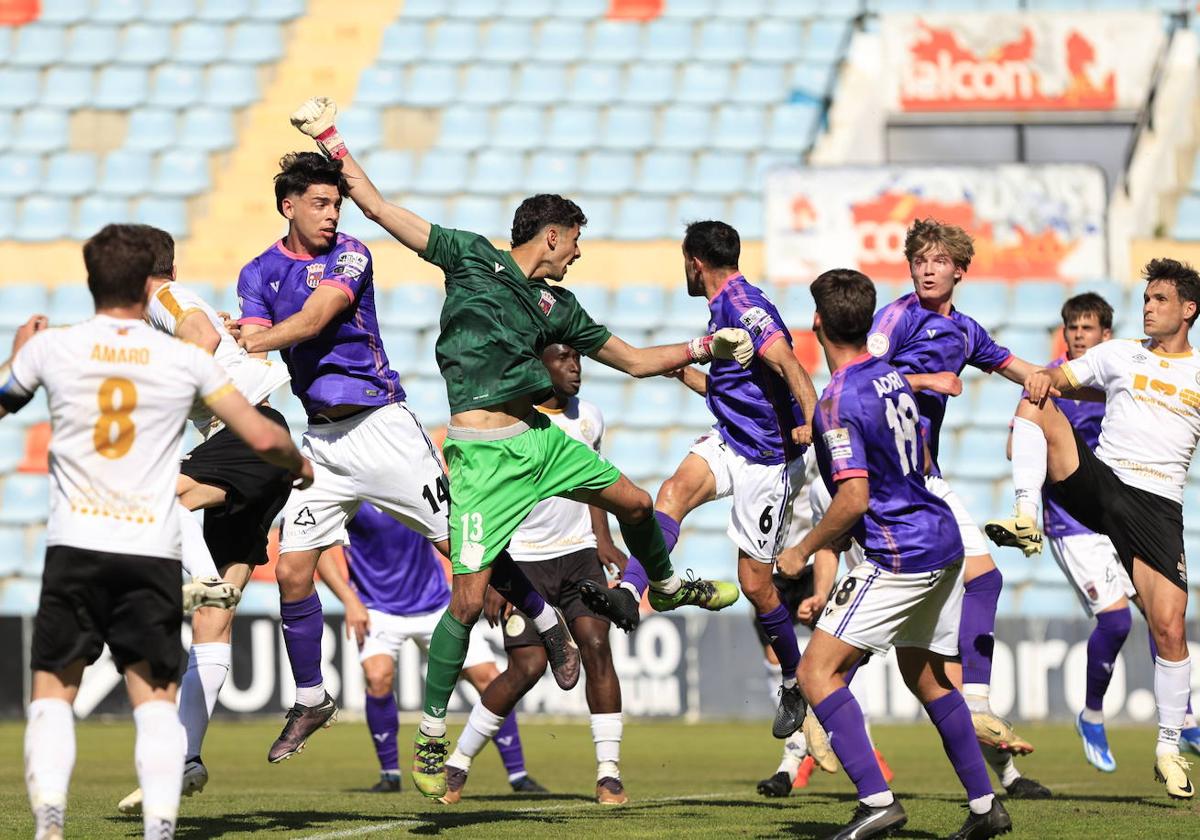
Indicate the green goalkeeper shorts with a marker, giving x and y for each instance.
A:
(498, 476)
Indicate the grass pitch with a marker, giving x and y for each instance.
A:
(685, 781)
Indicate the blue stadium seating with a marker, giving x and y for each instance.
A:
(649, 84)
(811, 83)
(441, 172)
(637, 452)
(826, 39)
(696, 208)
(595, 83)
(1038, 304)
(176, 11)
(282, 10)
(66, 87)
(25, 499)
(653, 406)
(747, 216)
(463, 128)
(642, 219)
(176, 86)
(64, 11)
(200, 43)
(207, 129)
(391, 169)
(637, 307)
(560, 40)
(704, 83)
(37, 45)
(665, 173)
(12, 550)
(573, 127)
(180, 173)
(223, 11)
(740, 127)
(518, 127)
(427, 397)
(71, 304)
(484, 84)
(595, 299)
(453, 41)
(608, 173)
(121, 88)
(1032, 345)
(259, 598)
(759, 84)
(365, 127)
(412, 306)
(431, 85)
(144, 44)
(475, 9)
(170, 214)
(628, 127)
(17, 302)
(542, 83)
(1187, 217)
(980, 454)
(236, 86)
(667, 40)
(481, 215)
(379, 85)
(43, 219)
(507, 40)
(776, 40)
(684, 127)
(552, 171)
(614, 41)
(20, 597)
(95, 211)
(792, 127)
(20, 174)
(255, 43)
(985, 301)
(722, 40)
(608, 394)
(70, 174)
(41, 130)
(90, 45)
(705, 555)
(126, 172)
(601, 214)
(117, 11)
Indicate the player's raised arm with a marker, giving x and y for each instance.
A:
(322, 306)
(15, 393)
(315, 118)
(728, 343)
(195, 328)
(779, 357)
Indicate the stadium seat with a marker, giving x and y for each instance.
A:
(365, 125)
(704, 83)
(255, 43)
(795, 305)
(64, 11)
(259, 598)
(223, 11)
(207, 129)
(20, 175)
(665, 173)
(776, 40)
(430, 85)
(712, 517)
(637, 452)
(24, 500)
(609, 395)
(667, 40)
(484, 84)
(1033, 345)
(116, 11)
(18, 87)
(1047, 601)
(740, 127)
(236, 86)
(812, 83)
(518, 127)
(582, 9)
(497, 172)
(608, 173)
(643, 218)
(995, 402)
(556, 172)
(480, 215)
(741, 10)
(452, 40)
(560, 40)
(380, 86)
(170, 214)
(422, 10)
(37, 45)
(427, 396)
(283, 10)
(637, 307)
(176, 86)
(177, 11)
(12, 549)
(792, 127)
(628, 127)
(126, 173)
(1187, 216)
(761, 84)
(43, 219)
(705, 555)
(601, 214)
(71, 304)
(689, 9)
(826, 40)
(121, 88)
(682, 311)
(508, 40)
(70, 174)
(41, 130)
(573, 127)
(1111, 290)
(684, 127)
(594, 83)
(391, 169)
(89, 45)
(412, 306)
(649, 84)
(67, 87)
(473, 9)
(984, 300)
(441, 172)
(723, 40)
(697, 208)
(541, 83)
(652, 406)
(981, 454)
(747, 215)
(595, 299)
(180, 173)
(17, 302)
(1037, 304)
(20, 596)
(200, 43)
(144, 44)
(431, 207)
(403, 40)
(614, 41)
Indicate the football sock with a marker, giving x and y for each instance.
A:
(447, 652)
(49, 760)
(510, 581)
(1028, 465)
(1002, 764)
(1110, 632)
(953, 721)
(208, 666)
(795, 748)
(197, 560)
(975, 631)
(482, 726)
(842, 718)
(1154, 656)
(383, 722)
(648, 544)
(303, 625)
(606, 734)
(777, 624)
(635, 579)
(1172, 685)
(158, 754)
(508, 741)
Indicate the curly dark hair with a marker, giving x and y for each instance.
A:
(1181, 275)
(543, 209)
(715, 244)
(300, 170)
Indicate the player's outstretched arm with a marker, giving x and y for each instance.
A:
(358, 620)
(315, 118)
(779, 357)
(695, 379)
(727, 343)
(942, 382)
(1045, 382)
(322, 306)
(269, 440)
(848, 506)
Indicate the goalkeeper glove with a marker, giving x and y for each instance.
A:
(315, 118)
(725, 343)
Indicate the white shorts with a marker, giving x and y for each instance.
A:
(874, 610)
(382, 456)
(1091, 565)
(974, 543)
(388, 633)
(761, 523)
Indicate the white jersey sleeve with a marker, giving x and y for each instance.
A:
(23, 376)
(1096, 366)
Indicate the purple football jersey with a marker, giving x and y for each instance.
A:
(868, 426)
(345, 364)
(1086, 418)
(754, 408)
(393, 568)
(916, 340)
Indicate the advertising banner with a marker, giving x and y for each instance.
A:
(1028, 222)
(972, 62)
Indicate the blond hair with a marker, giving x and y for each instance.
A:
(926, 234)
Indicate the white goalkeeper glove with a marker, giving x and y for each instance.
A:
(315, 118)
(725, 343)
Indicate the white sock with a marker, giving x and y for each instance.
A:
(774, 677)
(606, 734)
(1028, 465)
(158, 755)
(547, 619)
(795, 748)
(1092, 715)
(311, 695)
(1002, 764)
(49, 760)
(981, 805)
(879, 800)
(1172, 686)
(208, 665)
(976, 695)
(431, 726)
(631, 589)
(667, 587)
(481, 727)
(197, 559)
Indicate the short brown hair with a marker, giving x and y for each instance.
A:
(119, 260)
(300, 170)
(540, 210)
(845, 300)
(1088, 303)
(1181, 275)
(930, 233)
(162, 246)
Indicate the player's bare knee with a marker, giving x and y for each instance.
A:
(295, 579)
(212, 624)
(528, 666)
(1171, 638)
(593, 651)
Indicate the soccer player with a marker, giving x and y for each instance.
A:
(930, 342)
(397, 590)
(1131, 488)
(908, 594)
(754, 452)
(504, 457)
(240, 493)
(119, 395)
(560, 544)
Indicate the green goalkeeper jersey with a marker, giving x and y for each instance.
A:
(496, 322)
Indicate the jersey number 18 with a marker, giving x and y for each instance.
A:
(902, 418)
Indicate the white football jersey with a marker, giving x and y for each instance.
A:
(560, 526)
(257, 379)
(1151, 415)
(820, 500)
(120, 394)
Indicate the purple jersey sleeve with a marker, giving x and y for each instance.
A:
(891, 328)
(751, 309)
(250, 297)
(352, 268)
(982, 350)
(842, 434)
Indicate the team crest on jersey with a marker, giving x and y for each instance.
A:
(587, 430)
(1092, 593)
(315, 272)
(878, 344)
(547, 302)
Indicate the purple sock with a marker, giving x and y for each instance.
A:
(303, 624)
(975, 631)
(511, 582)
(383, 722)
(1104, 644)
(842, 718)
(635, 573)
(508, 741)
(777, 624)
(849, 675)
(953, 721)
(1154, 656)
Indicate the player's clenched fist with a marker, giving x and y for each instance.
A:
(315, 118)
(725, 343)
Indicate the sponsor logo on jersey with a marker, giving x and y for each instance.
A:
(547, 301)
(315, 272)
(756, 320)
(878, 344)
(353, 259)
(1139, 358)
(837, 441)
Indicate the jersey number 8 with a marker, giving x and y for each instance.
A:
(114, 430)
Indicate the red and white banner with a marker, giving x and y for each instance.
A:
(1028, 222)
(1020, 62)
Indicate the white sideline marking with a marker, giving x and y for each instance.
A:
(568, 806)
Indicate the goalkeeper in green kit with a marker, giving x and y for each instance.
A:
(504, 456)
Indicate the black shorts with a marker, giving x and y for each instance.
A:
(90, 598)
(255, 493)
(791, 592)
(1139, 523)
(557, 580)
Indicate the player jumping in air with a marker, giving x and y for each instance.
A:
(1131, 488)
(872, 453)
(504, 457)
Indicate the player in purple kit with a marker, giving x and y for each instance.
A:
(930, 342)
(872, 453)
(397, 591)
(754, 452)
